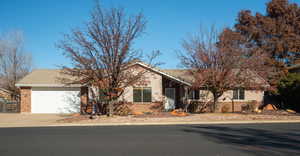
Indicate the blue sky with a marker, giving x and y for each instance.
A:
(169, 21)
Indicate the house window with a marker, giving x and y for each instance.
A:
(194, 95)
(142, 94)
(239, 94)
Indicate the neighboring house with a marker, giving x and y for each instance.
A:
(42, 92)
(8, 102)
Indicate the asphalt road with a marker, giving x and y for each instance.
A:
(181, 140)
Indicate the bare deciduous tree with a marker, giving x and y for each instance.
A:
(102, 53)
(15, 63)
(218, 66)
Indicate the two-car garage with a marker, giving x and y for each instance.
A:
(42, 91)
(55, 100)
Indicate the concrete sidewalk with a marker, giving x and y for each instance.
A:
(45, 120)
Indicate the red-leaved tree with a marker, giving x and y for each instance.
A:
(275, 32)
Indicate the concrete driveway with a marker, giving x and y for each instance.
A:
(20, 120)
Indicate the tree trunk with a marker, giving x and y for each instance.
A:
(215, 103)
(214, 106)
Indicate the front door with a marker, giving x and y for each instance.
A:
(170, 98)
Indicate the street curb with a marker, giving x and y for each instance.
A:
(153, 123)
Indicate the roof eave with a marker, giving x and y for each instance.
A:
(47, 85)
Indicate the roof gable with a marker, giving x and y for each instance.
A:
(165, 73)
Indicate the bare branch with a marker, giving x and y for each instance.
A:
(14, 62)
(102, 53)
(218, 66)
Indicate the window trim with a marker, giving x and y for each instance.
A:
(238, 91)
(142, 94)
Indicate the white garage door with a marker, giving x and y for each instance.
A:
(55, 100)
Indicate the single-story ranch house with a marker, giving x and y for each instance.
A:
(42, 92)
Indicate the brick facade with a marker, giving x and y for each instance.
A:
(156, 107)
(237, 105)
(147, 107)
(25, 104)
(84, 98)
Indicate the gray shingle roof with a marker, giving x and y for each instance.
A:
(51, 77)
(44, 77)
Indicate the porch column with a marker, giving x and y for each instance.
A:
(186, 93)
(84, 99)
(185, 98)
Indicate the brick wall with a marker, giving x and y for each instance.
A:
(25, 104)
(155, 107)
(146, 107)
(237, 105)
